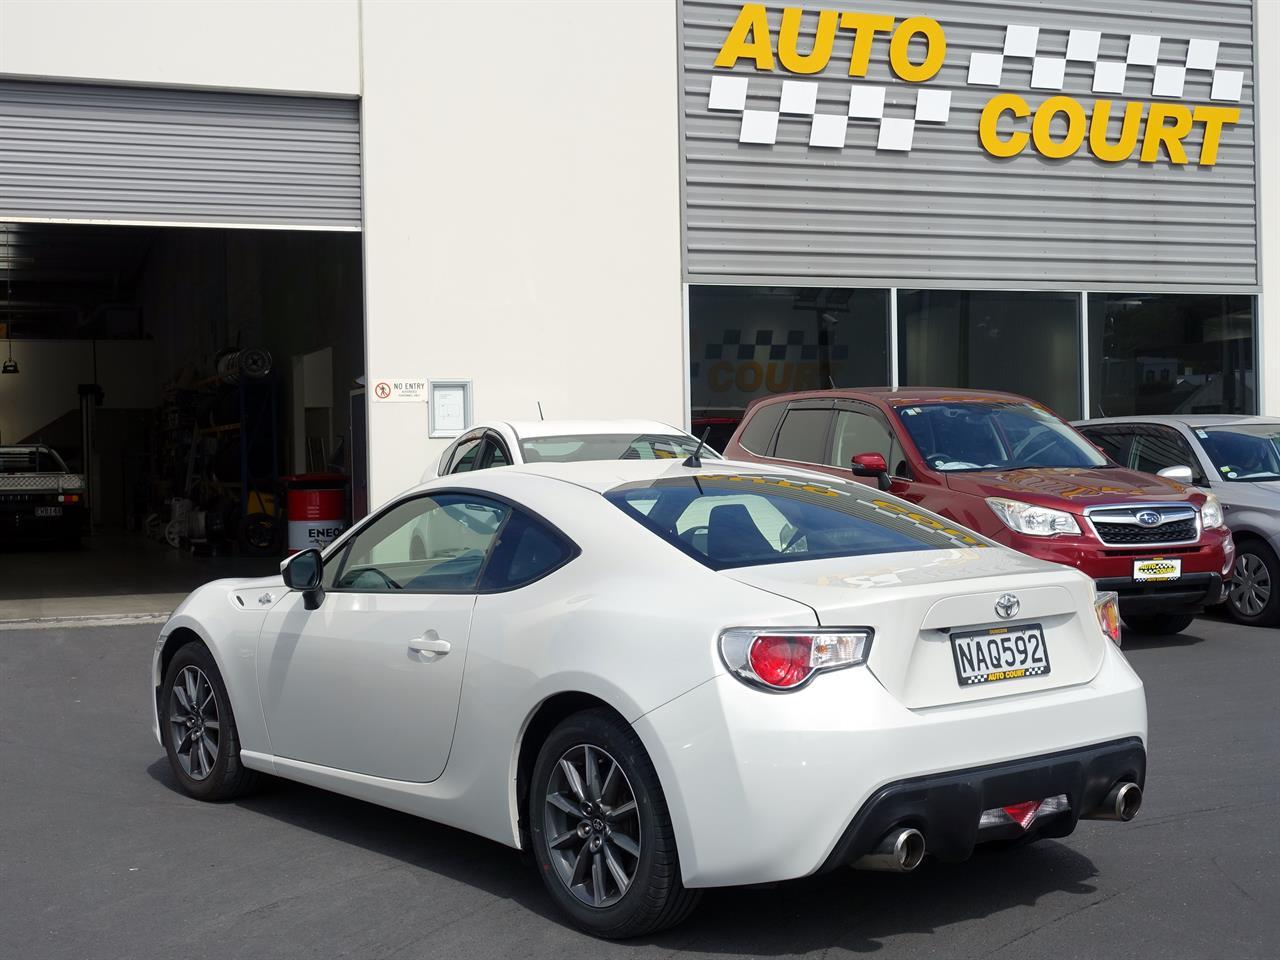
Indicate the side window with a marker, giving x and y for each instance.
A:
(759, 429)
(435, 544)
(803, 436)
(525, 551)
(1114, 442)
(858, 432)
(497, 455)
(464, 458)
(1158, 447)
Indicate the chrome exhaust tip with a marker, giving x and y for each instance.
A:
(899, 852)
(1122, 803)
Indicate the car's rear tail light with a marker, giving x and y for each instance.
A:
(1107, 607)
(786, 658)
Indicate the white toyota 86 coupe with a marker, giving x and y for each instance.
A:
(663, 676)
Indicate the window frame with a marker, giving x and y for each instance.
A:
(342, 546)
(1198, 477)
(813, 403)
(458, 444)
(866, 409)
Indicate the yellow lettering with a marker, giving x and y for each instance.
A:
(789, 34)
(1016, 142)
(752, 22)
(720, 375)
(1122, 149)
(1171, 137)
(935, 49)
(1213, 118)
(1041, 126)
(866, 25)
(750, 376)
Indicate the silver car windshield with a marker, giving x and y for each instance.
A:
(1246, 453)
(994, 435)
(611, 446)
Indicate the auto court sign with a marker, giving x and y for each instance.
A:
(1143, 90)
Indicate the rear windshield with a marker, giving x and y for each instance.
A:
(742, 520)
(611, 446)
(30, 460)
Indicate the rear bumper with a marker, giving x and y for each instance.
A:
(763, 787)
(21, 523)
(1191, 593)
(946, 807)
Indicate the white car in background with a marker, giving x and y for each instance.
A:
(661, 677)
(502, 443)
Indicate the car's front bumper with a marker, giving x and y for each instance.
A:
(1204, 565)
(1190, 593)
(763, 787)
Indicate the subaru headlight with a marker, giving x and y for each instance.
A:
(1211, 512)
(1032, 520)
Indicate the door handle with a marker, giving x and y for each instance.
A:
(431, 644)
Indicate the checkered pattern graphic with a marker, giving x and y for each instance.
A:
(1030, 672)
(765, 345)
(1168, 75)
(799, 98)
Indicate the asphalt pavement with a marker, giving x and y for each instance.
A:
(102, 857)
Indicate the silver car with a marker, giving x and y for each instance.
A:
(1238, 458)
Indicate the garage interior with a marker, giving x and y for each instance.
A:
(185, 372)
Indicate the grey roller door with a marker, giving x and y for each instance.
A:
(945, 212)
(80, 152)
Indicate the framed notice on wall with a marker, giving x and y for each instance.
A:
(449, 407)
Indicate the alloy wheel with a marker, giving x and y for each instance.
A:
(194, 727)
(1250, 585)
(592, 826)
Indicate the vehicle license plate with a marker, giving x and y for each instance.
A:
(1000, 653)
(48, 511)
(1157, 568)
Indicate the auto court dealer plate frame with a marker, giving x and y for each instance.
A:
(1026, 632)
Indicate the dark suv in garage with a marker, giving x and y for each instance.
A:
(1012, 470)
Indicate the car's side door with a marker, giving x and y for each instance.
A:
(369, 681)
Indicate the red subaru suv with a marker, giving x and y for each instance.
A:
(1012, 470)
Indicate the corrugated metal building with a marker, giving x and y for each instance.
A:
(972, 194)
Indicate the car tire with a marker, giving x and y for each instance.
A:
(604, 842)
(1158, 624)
(1253, 594)
(203, 745)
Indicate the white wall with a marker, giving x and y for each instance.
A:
(1267, 42)
(280, 45)
(51, 370)
(521, 174)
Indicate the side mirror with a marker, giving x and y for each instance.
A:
(1178, 472)
(302, 572)
(872, 465)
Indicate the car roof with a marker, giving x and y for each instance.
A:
(1190, 420)
(604, 475)
(905, 396)
(533, 429)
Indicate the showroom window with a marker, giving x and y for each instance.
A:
(1023, 342)
(1171, 353)
(750, 342)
